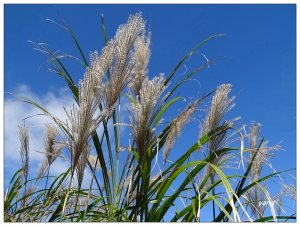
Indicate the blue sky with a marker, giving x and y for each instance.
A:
(257, 56)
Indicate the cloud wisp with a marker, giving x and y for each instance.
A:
(16, 111)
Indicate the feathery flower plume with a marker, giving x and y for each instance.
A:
(42, 168)
(255, 195)
(24, 153)
(82, 121)
(253, 145)
(99, 64)
(254, 135)
(264, 152)
(52, 149)
(24, 149)
(142, 56)
(123, 58)
(220, 106)
(176, 126)
(141, 115)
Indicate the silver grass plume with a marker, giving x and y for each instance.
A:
(141, 115)
(99, 64)
(221, 104)
(255, 195)
(24, 149)
(52, 148)
(42, 168)
(82, 121)
(263, 154)
(177, 125)
(123, 58)
(253, 145)
(142, 56)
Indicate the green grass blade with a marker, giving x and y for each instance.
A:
(202, 141)
(59, 180)
(103, 167)
(164, 108)
(189, 54)
(239, 186)
(269, 218)
(185, 79)
(158, 213)
(76, 41)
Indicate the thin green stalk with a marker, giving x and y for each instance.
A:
(104, 169)
(116, 182)
(117, 141)
(111, 160)
(213, 194)
(110, 157)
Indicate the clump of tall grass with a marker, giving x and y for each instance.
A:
(138, 181)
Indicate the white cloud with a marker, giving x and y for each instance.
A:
(16, 111)
(53, 101)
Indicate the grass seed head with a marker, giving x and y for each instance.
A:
(177, 125)
(142, 56)
(24, 149)
(124, 58)
(221, 104)
(49, 143)
(142, 111)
